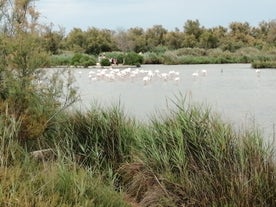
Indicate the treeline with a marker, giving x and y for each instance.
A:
(95, 41)
(194, 44)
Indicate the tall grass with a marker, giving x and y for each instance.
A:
(194, 159)
(10, 150)
(99, 137)
(190, 157)
(55, 184)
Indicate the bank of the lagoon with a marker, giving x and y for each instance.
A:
(242, 95)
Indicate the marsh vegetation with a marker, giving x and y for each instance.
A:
(101, 157)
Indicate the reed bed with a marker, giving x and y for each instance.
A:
(102, 137)
(190, 157)
(193, 158)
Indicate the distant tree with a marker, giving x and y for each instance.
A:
(53, 40)
(155, 36)
(76, 40)
(241, 32)
(208, 40)
(136, 39)
(121, 39)
(98, 41)
(193, 28)
(261, 31)
(189, 40)
(271, 33)
(173, 40)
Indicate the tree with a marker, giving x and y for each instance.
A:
(136, 39)
(76, 40)
(193, 28)
(271, 33)
(207, 40)
(241, 32)
(189, 40)
(53, 40)
(27, 94)
(98, 41)
(173, 40)
(121, 40)
(155, 36)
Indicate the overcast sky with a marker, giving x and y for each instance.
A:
(171, 14)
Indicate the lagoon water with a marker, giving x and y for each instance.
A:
(235, 91)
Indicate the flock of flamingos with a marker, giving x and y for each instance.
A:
(146, 76)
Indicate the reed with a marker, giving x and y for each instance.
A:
(99, 137)
(55, 184)
(263, 64)
(188, 157)
(195, 159)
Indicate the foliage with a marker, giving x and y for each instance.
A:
(263, 64)
(119, 56)
(61, 60)
(27, 93)
(187, 157)
(55, 184)
(153, 58)
(101, 137)
(158, 39)
(133, 59)
(80, 59)
(105, 62)
(192, 158)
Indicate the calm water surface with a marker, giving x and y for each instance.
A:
(242, 96)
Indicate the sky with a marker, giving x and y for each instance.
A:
(171, 14)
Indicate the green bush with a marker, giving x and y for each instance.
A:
(152, 58)
(58, 60)
(119, 56)
(105, 62)
(263, 64)
(80, 59)
(133, 58)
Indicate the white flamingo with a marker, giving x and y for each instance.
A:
(203, 72)
(258, 71)
(164, 76)
(195, 74)
(177, 79)
(146, 80)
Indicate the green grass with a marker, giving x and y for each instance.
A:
(190, 157)
(264, 64)
(55, 184)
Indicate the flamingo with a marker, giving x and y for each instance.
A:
(146, 80)
(258, 71)
(164, 76)
(204, 72)
(177, 79)
(195, 74)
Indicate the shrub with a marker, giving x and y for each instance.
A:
(58, 60)
(83, 60)
(119, 56)
(152, 58)
(105, 62)
(102, 137)
(133, 58)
